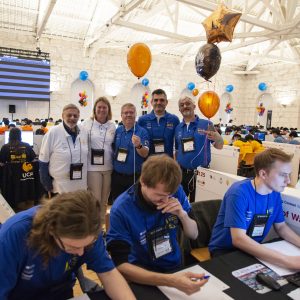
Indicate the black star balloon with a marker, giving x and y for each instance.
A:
(207, 61)
(219, 26)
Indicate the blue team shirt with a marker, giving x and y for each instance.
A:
(201, 155)
(238, 208)
(164, 129)
(130, 222)
(22, 274)
(123, 140)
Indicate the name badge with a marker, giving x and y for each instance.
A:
(97, 156)
(258, 225)
(188, 144)
(122, 155)
(159, 242)
(159, 145)
(76, 171)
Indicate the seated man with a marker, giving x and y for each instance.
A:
(42, 247)
(143, 228)
(251, 207)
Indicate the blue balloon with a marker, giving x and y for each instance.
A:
(262, 86)
(83, 75)
(229, 88)
(190, 86)
(145, 81)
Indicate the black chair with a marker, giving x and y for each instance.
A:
(205, 214)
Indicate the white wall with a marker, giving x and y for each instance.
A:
(110, 67)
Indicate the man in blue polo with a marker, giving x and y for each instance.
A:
(160, 125)
(143, 228)
(131, 147)
(193, 137)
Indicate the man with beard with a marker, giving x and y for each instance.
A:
(144, 221)
(63, 155)
(131, 147)
(193, 137)
(160, 125)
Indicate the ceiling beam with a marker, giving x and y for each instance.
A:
(123, 11)
(245, 18)
(42, 23)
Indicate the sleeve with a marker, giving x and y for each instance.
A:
(45, 177)
(45, 151)
(118, 238)
(10, 263)
(175, 137)
(144, 138)
(279, 218)
(98, 259)
(235, 210)
(183, 199)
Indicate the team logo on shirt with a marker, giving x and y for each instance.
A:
(171, 222)
(170, 125)
(27, 167)
(148, 125)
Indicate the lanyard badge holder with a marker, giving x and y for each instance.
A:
(97, 156)
(122, 155)
(76, 171)
(159, 243)
(258, 225)
(188, 144)
(159, 145)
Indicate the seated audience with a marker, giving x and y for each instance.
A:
(5, 127)
(251, 207)
(41, 249)
(16, 150)
(255, 144)
(277, 136)
(293, 138)
(243, 144)
(143, 228)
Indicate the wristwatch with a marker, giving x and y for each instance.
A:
(139, 147)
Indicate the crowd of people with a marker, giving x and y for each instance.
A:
(149, 167)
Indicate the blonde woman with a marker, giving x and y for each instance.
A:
(101, 133)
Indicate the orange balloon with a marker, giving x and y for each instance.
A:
(209, 103)
(139, 59)
(195, 92)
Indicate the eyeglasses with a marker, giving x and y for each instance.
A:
(72, 248)
(128, 113)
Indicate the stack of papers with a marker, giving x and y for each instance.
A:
(213, 289)
(285, 248)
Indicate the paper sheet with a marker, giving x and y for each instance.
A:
(213, 289)
(295, 294)
(82, 297)
(284, 248)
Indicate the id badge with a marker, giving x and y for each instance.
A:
(76, 171)
(159, 242)
(258, 225)
(97, 156)
(188, 144)
(122, 155)
(159, 145)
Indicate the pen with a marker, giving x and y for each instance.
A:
(197, 279)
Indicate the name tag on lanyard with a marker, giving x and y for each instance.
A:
(122, 155)
(76, 171)
(188, 144)
(258, 225)
(159, 145)
(97, 156)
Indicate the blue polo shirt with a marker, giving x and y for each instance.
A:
(22, 274)
(238, 208)
(123, 141)
(201, 155)
(165, 129)
(130, 222)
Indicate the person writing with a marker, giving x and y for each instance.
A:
(41, 249)
(143, 227)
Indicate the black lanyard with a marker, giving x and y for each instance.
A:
(267, 211)
(90, 135)
(159, 125)
(128, 142)
(74, 148)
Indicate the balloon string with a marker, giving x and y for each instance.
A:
(199, 151)
(134, 156)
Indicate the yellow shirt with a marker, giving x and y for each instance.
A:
(245, 147)
(257, 147)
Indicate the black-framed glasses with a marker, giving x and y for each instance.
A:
(72, 248)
